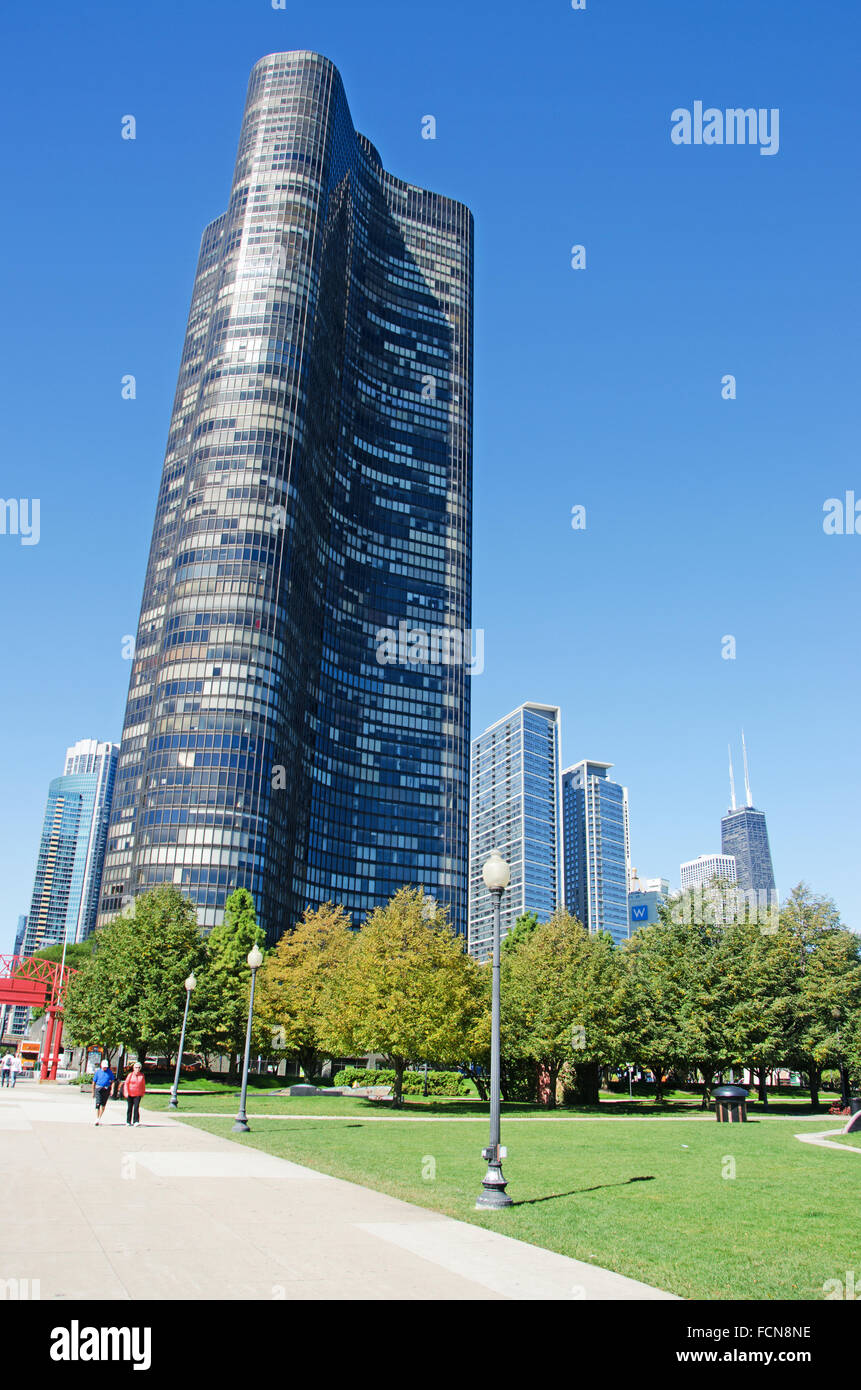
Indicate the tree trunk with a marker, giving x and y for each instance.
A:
(814, 1075)
(658, 1072)
(472, 1071)
(400, 1064)
(307, 1059)
(547, 1074)
(121, 1061)
(762, 1087)
(587, 1083)
(503, 1082)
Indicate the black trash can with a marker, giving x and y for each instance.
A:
(854, 1105)
(730, 1104)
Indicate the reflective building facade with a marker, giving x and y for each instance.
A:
(316, 489)
(72, 848)
(744, 835)
(597, 848)
(515, 808)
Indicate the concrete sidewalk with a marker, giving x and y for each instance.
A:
(167, 1211)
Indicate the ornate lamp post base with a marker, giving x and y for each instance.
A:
(493, 1194)
(240, 1127)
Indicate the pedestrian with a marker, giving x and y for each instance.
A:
(134, 1087)
(6, 1069)
(103, 1080)
(16, 1068)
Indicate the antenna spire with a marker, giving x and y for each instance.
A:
(731, 778)
(746, 771)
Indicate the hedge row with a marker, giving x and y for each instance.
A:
(440, 1083)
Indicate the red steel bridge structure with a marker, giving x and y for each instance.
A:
(34, 983)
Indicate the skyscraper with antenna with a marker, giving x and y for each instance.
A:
(744, 835)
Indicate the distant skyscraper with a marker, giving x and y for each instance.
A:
(316, 492)
(515, 808)
(72, 847)
(744, 835)
(596, 848)
(15, 1018)
(702, 872)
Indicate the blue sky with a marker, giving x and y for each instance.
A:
(599, 387)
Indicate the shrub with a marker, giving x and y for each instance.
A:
(440, 1083)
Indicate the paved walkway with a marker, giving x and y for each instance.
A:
(168, 1211)
(824, 1139)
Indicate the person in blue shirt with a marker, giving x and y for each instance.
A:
(103, 1080)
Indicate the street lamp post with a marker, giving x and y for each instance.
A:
(255, 960)
(496, 876)
(189, 986)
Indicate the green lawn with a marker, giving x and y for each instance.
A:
(225, 1100)
(853, 1141)
(649, 1200)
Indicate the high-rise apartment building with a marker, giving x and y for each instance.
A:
(316, 495)
(514, 796)
(702, 872)
(72, 847)
(596, 848)
(744, 835)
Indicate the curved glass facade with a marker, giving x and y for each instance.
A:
(316, 489)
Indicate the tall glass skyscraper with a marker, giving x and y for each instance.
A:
(744, 835)
(515, 809)
(597, 848)
(72, 847)
(316, 490)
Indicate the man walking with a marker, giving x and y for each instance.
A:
(134, 1087)
(15, 1069)
(6, 1069)
(103, 1080)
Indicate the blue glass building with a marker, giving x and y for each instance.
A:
(72, 848)
(515, 809)
(316, 493)
(596, 848)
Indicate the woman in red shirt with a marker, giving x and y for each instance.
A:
(134, 1087)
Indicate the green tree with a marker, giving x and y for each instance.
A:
(560, 994)
(296, 976)
(220, 1003)
(131, 991)
(523, 928)
(655, 984)
(828, 971)
(406, 989)
(762, 983)
(78, 954)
